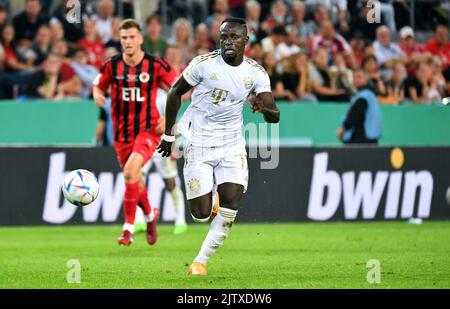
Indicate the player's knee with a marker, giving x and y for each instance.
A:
(130, 174)
(200, 216)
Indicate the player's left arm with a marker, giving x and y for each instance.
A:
(264, 102)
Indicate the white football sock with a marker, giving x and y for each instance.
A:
(140, 217)
(218, 231)
(150, 216)
(176, 195)
(129, 227)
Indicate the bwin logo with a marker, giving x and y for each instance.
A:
(364, 194)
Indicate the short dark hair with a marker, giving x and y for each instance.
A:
(367, 58)
(236, 20)
(153, 17)
(130, 23)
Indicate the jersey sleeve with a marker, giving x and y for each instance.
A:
(192, 74)
(105, 77)
(166, 74)
(262, 80)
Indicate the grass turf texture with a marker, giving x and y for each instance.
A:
(312, 255)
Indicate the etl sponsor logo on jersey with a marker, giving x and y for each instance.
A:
(132, 94)
(361, 193)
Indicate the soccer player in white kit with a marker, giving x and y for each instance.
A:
(215, 154)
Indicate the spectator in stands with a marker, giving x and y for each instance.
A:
(278, 90)
(324, 80)
(182, 37)
(370, 66)
(277, 17)
(320, 15)
(57, 30)
(296, 80)
(50, 83)
(358, 46)
(395, 86)
(437, 78)
(14, 72)
(387, 53)
(41, 45)
(413, 50)
(214, 33)
(201, 40)
(288, 47)
(221, 11)
(12, 62)
(154, 43)
(439, 45)
(276, 37)
(252, 16)
(3, 17)
(86, 72)
(420, 89)
(104, 19)
(297, 19)
(363, 122)
(92, 43)
(334, 43)
(27, 22)
(256, 52)
(115, 35)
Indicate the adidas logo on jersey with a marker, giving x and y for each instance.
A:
(213, 76)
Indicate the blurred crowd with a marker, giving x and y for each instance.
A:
(309, 48)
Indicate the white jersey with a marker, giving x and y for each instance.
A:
(221, 90)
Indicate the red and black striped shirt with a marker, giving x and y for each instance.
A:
(133, 93)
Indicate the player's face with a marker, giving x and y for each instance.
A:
(233, 38)
(131, 40)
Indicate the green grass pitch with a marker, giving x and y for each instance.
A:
(309, 255)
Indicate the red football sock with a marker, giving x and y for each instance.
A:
(130, 201)
(144, 202)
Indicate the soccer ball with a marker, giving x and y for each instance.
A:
(80, 187)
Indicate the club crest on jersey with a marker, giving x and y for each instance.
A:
(248, 82)
(131, 77)
(144, 77)
(194, 185)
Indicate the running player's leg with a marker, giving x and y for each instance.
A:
(132, 173)
(145, 146)
(177, 196)
(231, 174)
(167, 168)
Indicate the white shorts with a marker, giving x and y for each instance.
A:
(205, 167)
(165, 167)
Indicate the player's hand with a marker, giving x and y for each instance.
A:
(161, 126)
(258, 105)
(165, 148)
(100, 100)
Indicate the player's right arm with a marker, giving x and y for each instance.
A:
(102, 83)
(173, 104)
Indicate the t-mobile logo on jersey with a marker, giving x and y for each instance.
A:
(363, 193)
(132, 94)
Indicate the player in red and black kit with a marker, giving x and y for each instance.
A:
(134, 77)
